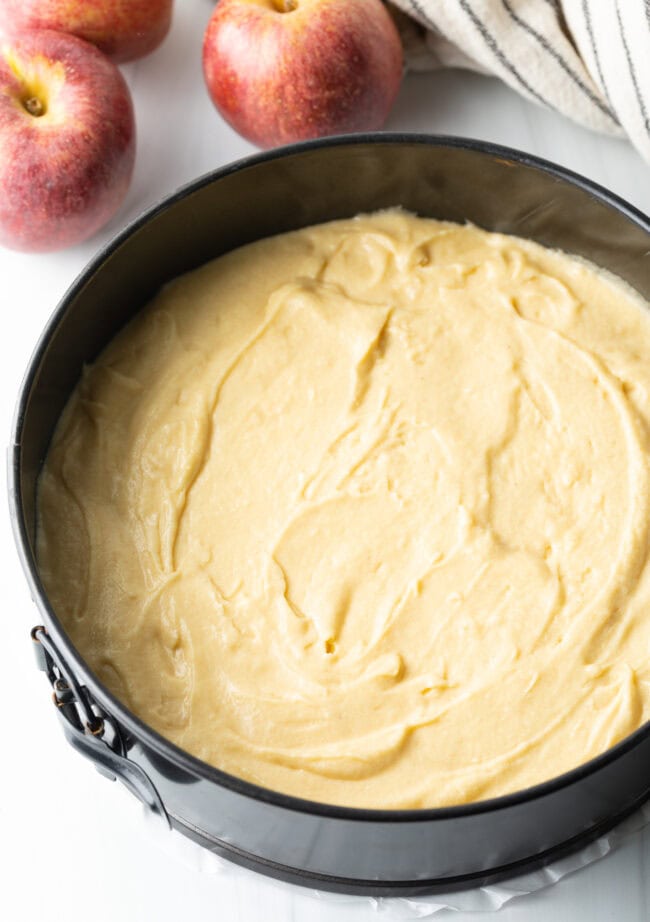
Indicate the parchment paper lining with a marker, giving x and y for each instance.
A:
(478, 900)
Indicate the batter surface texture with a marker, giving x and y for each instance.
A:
(361, 513)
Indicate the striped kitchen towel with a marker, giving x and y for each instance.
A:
(589, 59)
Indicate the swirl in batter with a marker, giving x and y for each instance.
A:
(360, 513)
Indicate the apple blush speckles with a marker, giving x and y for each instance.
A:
(67, 140)
(122, 29)
(286, 70)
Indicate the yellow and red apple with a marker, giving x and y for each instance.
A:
(122, 29)
(286, 70)
(67, 140)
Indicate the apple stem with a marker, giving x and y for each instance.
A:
(34, 106)
(286, 6)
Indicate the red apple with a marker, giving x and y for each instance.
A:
(67, 140)
(122, 29)
(285, 70)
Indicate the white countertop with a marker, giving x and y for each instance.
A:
(73, 845)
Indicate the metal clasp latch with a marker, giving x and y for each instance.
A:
(88, 728)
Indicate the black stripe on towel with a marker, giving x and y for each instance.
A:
(590, 31)
(630, 64)
(419, 10)
(490, 41)
(566, 67)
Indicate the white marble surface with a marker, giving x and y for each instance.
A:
(73, 845)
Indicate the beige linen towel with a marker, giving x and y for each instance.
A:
(589, 59)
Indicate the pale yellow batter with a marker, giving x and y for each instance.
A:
(361, 513)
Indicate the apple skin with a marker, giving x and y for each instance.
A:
(65, 172)
(323, 67)
(122, 29)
